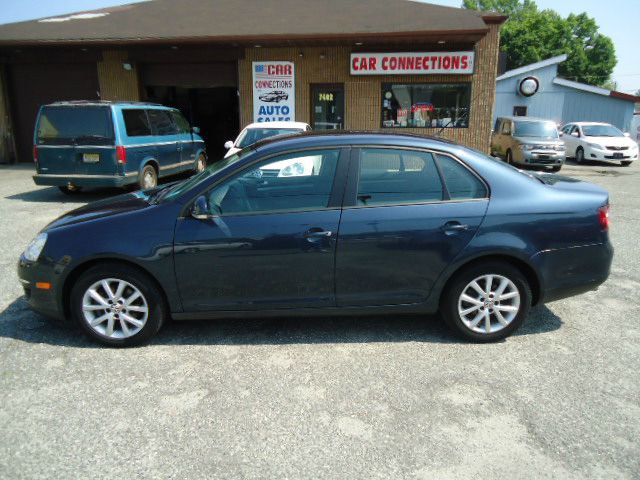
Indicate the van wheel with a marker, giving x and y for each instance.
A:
(117, 305)
(70, 191)
(509, 158)
(625, 164)
(487, 301)
(148, 178)
(201, 163)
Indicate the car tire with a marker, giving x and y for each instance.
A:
(148, 178)
(70, 191)
(625, 164)
(461, 297)
(556, 168)
(201, 163)
(579, 155)
(125, 322)
(509, 157)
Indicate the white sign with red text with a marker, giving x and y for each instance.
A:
(412, 63)
(274, 97)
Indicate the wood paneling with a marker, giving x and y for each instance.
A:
(363, 94)
(6, 138)
(116, 83)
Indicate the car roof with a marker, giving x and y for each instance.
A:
(83, 103)
(526, 119)
(299, 125)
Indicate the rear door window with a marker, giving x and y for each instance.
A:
(136, 122)
(161, 122)
(461, 183)
(75, 125)
(390, 176)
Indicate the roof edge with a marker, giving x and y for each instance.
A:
(532, 66)
(597, 90)
(491, 19)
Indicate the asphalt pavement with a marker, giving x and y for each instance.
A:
(391, 397)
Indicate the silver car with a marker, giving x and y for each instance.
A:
(528, 141)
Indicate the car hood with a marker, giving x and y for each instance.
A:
(102, 208)
(612, 141)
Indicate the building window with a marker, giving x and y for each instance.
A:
(426, 105)
(519, 111)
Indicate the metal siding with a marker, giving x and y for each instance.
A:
(591, 107)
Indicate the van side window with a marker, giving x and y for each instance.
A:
(136, 122)
(181, 123)
(161, 122)
(461, 183)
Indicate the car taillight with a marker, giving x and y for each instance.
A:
(35, 153)
(121, 154)
(603, 216)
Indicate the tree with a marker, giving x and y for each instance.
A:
(531, 35)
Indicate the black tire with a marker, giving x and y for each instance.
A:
(556, 168)
(201, 163)
(509, 157)
(70, 191)
(579, 155)
(148, 178)
(625, 164)
(449, 304)
(157, 310)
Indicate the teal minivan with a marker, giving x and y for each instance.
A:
(113, 144)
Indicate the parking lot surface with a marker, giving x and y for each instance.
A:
(325, 398)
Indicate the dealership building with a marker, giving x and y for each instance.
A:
(396, 65)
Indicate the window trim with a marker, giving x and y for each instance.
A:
(351, 191)
(469, 84)
(336, 194)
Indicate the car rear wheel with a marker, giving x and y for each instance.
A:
(509, 157)
(117, 305)
(625, 164)
(201, 163)
(579, 155)
(487, 302)
(70, 190)
(148, 178)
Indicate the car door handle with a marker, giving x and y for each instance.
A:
(314, 233)
(453, 227)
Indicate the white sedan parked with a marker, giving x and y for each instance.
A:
(258, 131)
(598, 141)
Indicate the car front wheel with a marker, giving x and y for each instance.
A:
(487, 302)
(117, 305)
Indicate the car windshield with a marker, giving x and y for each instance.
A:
(536, 129)
(252, 135)
(601, 131)
(178, 189)
(80, 125)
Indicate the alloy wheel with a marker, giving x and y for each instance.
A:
(149, 179)
(489, 303)
(114, 308)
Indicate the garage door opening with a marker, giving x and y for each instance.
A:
(214, 110)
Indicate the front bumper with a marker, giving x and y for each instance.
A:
(571, 271)
(85, 180)
(549, 158)
(47, 302)
(610, 155)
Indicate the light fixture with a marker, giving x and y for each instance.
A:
(358, 44)
(174, 47)
(300, 54)
(441, 42)
(127, 66)
(322, 55)
(258, 46)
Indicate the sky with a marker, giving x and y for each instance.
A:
(617, 19)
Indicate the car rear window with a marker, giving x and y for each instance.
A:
(136, 122)
(75, 125)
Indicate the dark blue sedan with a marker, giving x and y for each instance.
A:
(321, 224)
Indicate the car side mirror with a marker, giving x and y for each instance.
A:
(627, 134)
(228, 144)
(195, 129)
(575, 134)
(200, 209)
(561, 134)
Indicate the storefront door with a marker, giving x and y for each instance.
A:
(327, 106)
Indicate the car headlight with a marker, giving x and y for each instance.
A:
(596, 145)
(559, 148)
(35, 247)
(526, 146)
(293, 170)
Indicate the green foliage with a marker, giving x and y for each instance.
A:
(531, 35)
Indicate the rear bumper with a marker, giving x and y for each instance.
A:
(85, 180)
(571, 271)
